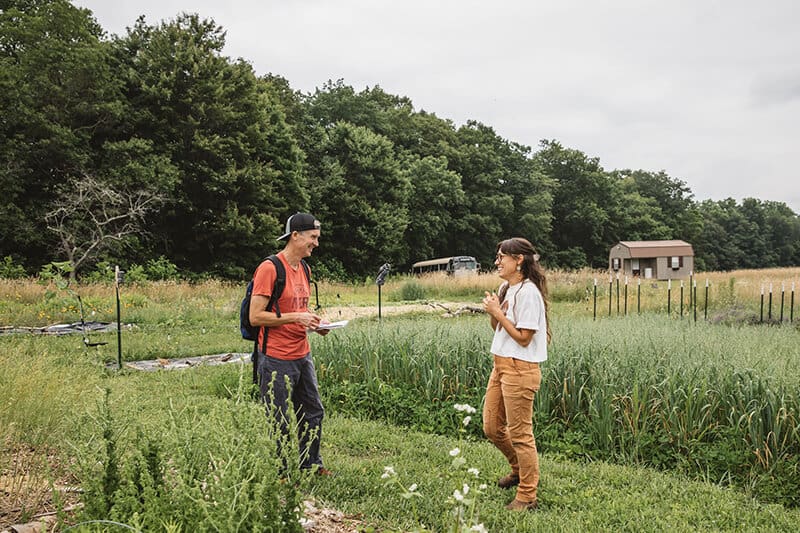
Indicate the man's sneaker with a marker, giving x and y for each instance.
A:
(518, 505)
(506, 482)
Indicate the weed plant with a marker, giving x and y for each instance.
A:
(204, 469)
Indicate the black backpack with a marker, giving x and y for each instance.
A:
(250, 332)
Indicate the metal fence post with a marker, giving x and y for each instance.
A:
(626, 296)
(639, 296)
(669, 297)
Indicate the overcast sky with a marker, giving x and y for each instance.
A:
(708, 91)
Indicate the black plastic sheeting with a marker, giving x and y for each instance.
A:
(61, 329)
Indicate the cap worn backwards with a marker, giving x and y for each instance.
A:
(299, 222)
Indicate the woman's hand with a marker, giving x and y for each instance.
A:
(491, 304)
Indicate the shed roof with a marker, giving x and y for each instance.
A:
(658, 248)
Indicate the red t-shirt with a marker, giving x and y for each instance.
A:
(287, 341)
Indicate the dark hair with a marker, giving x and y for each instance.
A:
(530, 269)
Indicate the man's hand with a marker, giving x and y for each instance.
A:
(309, 320)
(325, 331)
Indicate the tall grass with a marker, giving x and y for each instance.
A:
(718, 401)
(43, 387)
(733, 295)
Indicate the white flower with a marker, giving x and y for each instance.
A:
(412, 488)
(483, 486)
(479, 528)
(464, 407)
(454, 452)
(467, 420)
(388, 471)
(458, 496)
(473, 471)
(466, 489)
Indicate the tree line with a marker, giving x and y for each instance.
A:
(154, 144)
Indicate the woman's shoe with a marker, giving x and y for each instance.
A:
(506, 482)
(518, 505)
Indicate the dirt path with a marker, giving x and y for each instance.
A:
(437, 308)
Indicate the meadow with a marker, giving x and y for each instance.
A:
(643, 422)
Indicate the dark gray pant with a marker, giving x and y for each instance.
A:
(304, 393)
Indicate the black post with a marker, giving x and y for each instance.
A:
(791, 306)
(379, 281)
(691, 296)
(762, 304)
(669, 297)
(118, 276)
(626, 296)
(610, 290)
(694, 299)
(705, 303)
(769, 308)
(594, 314)
(618, 293)
(783, 292)
(681, 304)
(639, 296)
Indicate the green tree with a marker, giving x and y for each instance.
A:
(361, 195)
(238, 170)
(57, 95)
(674, 199)
(583, 206)
(638, 217)
(505, 195)
(719, 245)
(435, 195)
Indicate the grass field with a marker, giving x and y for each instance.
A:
(644, 423)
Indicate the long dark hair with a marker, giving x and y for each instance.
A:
(530, 269)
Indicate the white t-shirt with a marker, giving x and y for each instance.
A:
(526, 311)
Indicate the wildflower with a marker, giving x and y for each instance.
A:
(458, 496)
(454, 452)
(473, 471)
(388, 471)
(480, 528)
(466, 489)
(464, 407)
(467, 420)
(412, 488)
(482, 486)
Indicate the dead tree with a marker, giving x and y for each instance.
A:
(90, 215)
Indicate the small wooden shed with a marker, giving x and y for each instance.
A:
(652, 259)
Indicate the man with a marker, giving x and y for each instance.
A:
(287, 350)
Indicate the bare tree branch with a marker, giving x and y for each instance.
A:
(91, 215)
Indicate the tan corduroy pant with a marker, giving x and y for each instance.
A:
(508, 419)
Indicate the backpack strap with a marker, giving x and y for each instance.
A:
(311, 282)
(277, 290)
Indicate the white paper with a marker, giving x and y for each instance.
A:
(333, 325)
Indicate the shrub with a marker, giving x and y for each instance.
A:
(207, 468)
(161, 269)
(11, 270)
(411, 290)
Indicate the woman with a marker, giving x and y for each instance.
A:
(521, 333)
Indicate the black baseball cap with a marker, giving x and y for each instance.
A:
(299, 222)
